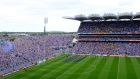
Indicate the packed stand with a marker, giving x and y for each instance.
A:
(107, 48)
(110, 27)
(30, 50)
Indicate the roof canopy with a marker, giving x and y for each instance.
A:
(95, 17)
(106, 16)
(80, 17)
(137, 15)
(125, 16)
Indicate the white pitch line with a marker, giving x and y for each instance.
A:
(118, 68)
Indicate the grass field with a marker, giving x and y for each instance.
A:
(83, 67)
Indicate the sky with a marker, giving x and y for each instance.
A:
(28, 15)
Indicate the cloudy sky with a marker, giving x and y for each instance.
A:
(28, 15)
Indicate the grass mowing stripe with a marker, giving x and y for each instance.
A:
(114, 69)
(95, 73)
(91, 68)
(136, 67)
(105, 72)
(69, 71)
(118, 67)
(138, 59)
(50, 62)
(122, 69)
(53, 71)
(33, 68)
(80, 70)
(44, 66)
(130, 69)
(62, 69)
(46, 69)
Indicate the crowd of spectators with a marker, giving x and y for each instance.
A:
(126, 43)
(111, 27)
(107, 48)
(30, 50)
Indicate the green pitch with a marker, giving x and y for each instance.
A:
(82, 67)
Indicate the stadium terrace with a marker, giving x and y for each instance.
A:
(108, 35)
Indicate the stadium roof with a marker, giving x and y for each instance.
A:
(125, 16)
(105, 17)
(137, 15)
(108, 16)
(95, 17)
(78, 17)
(81, 17)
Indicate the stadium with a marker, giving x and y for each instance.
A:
(104, 47)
